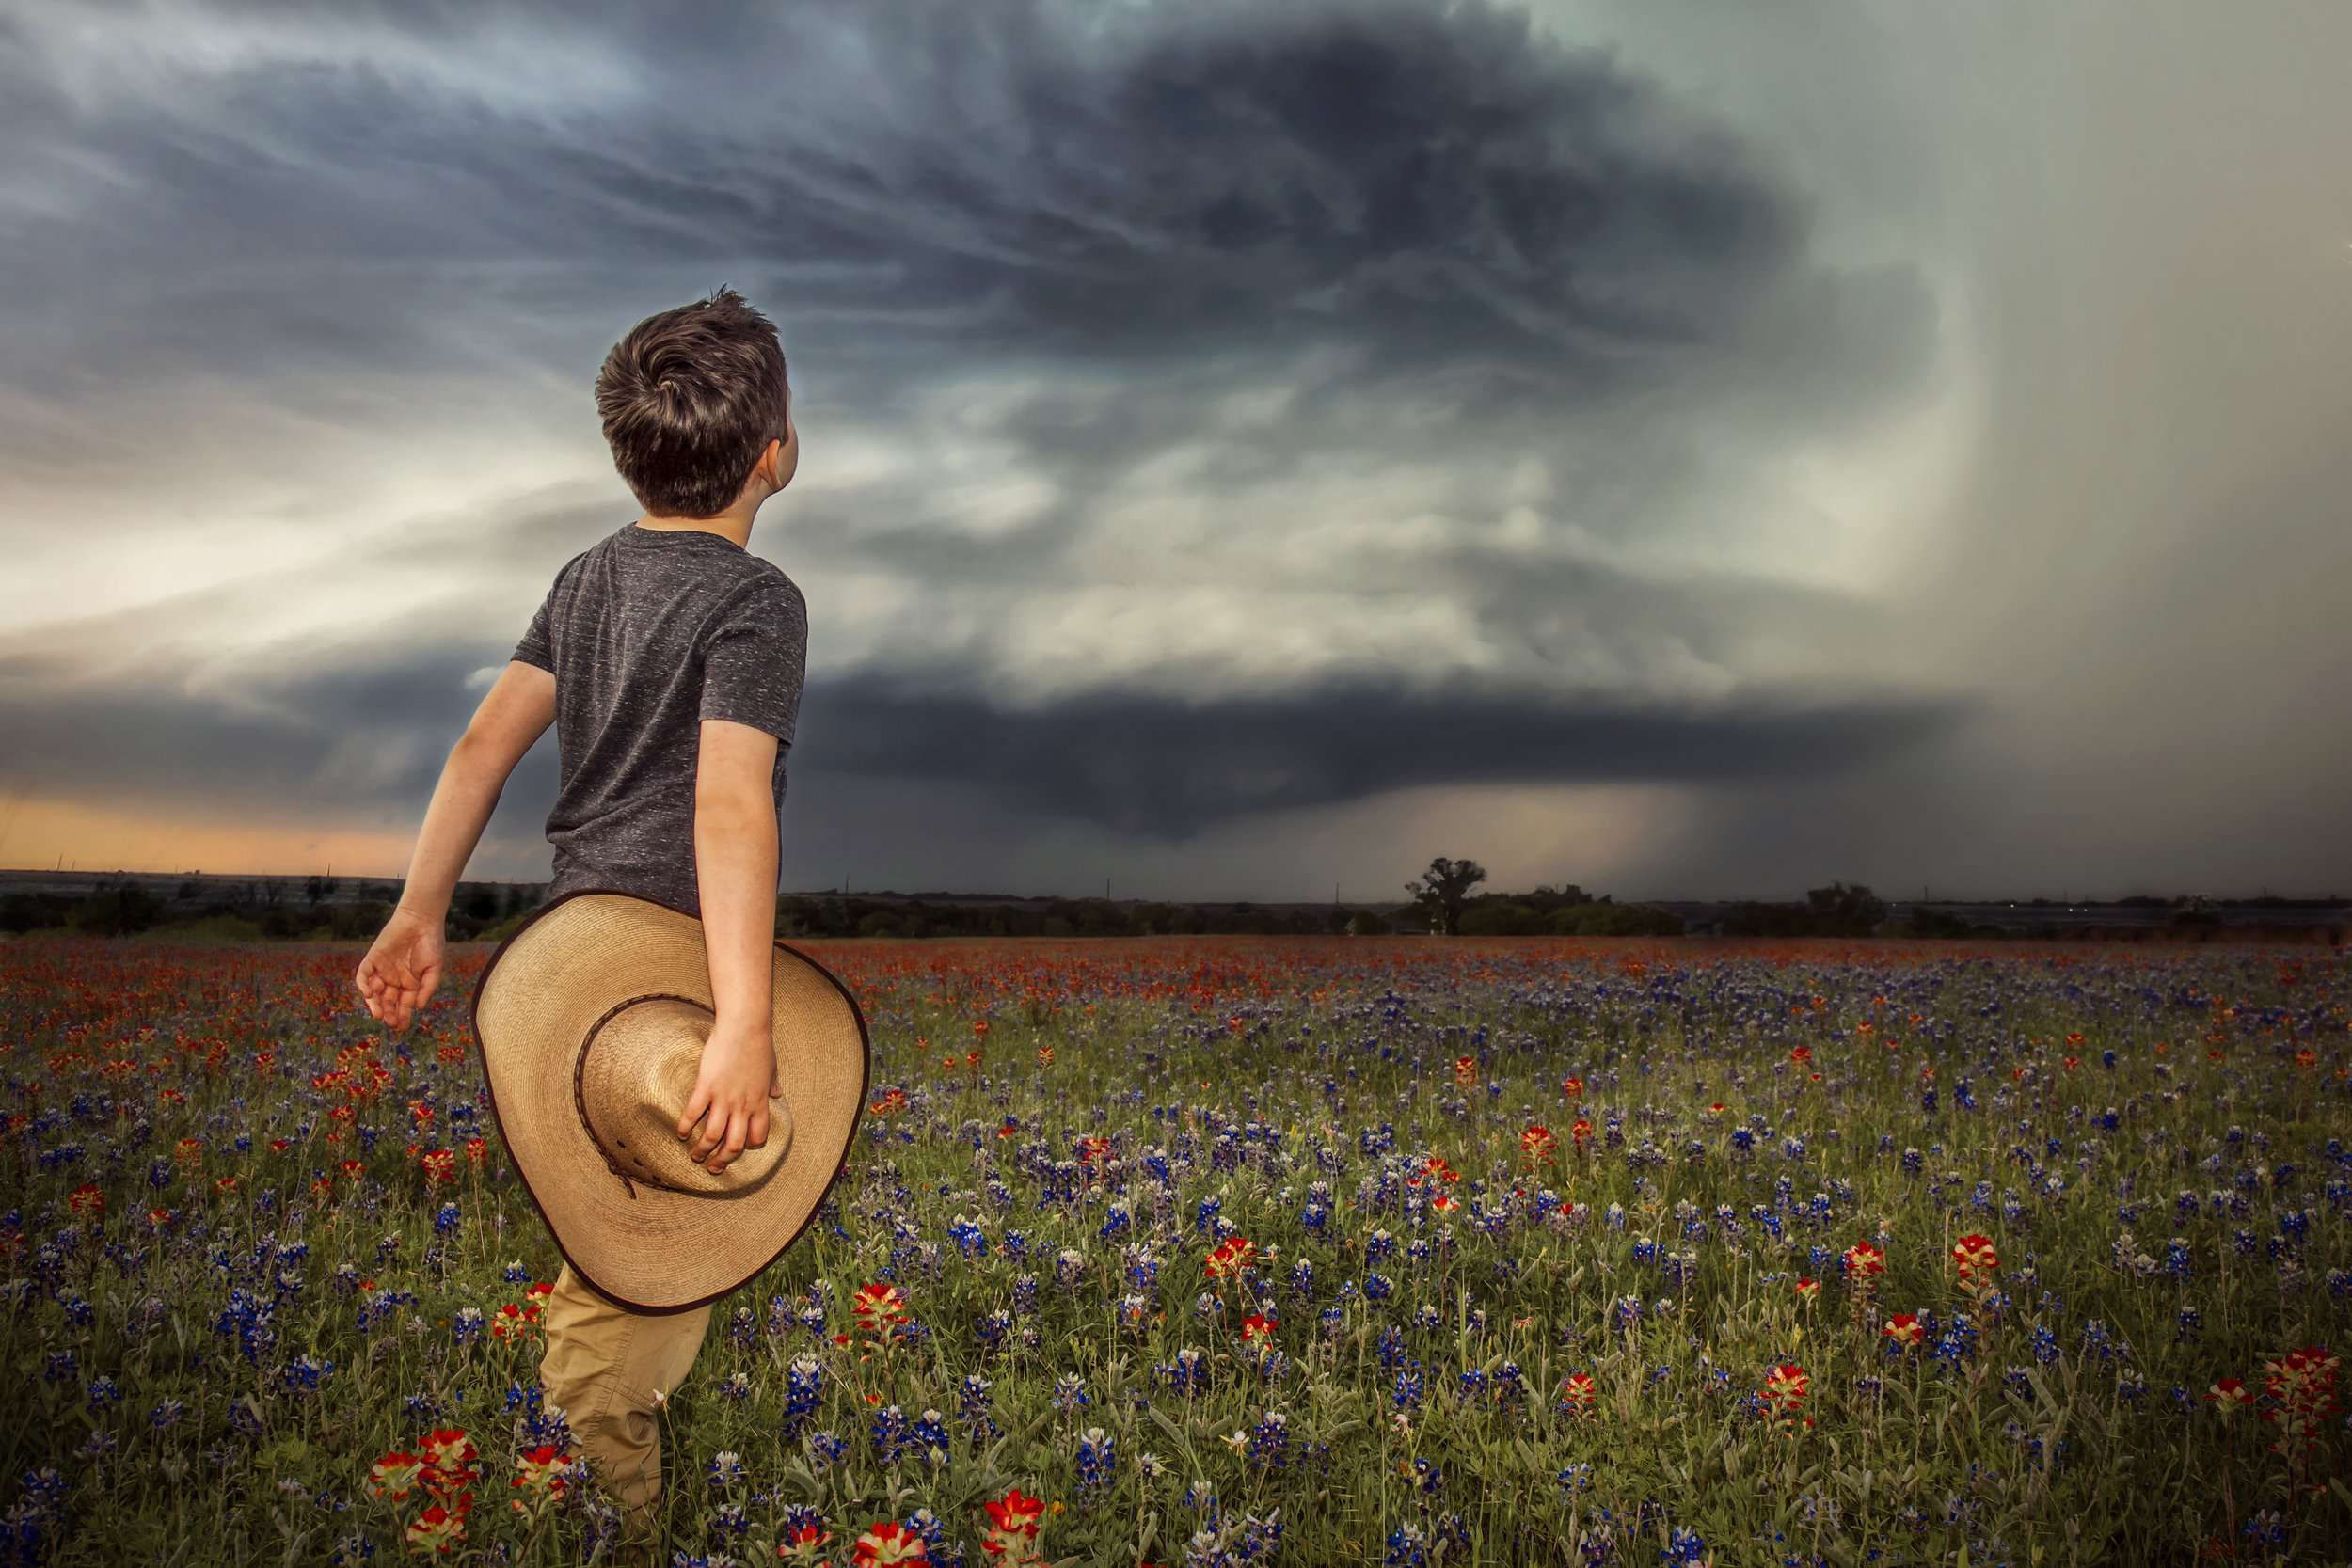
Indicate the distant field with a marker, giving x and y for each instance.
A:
(1288, 1250)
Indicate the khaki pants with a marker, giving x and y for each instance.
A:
(605, 1365)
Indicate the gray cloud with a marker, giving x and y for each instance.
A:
(1166, 769)
(1457, 365)
(1440, 184)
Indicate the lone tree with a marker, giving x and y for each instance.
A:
(1845, 912)
(1441, 889)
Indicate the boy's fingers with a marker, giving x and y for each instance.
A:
(734, 1146)
(696, 1104)
(756, 1135)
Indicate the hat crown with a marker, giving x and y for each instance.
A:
(634, 1074)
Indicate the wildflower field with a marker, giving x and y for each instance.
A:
(1222, 1251)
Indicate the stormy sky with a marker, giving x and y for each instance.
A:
(1250, 449)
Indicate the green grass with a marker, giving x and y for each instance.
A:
(1243, 1074)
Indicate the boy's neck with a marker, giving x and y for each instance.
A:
(735, 531)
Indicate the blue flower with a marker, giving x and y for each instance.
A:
(1096, 1451)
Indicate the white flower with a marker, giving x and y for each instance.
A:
(1150, 1464)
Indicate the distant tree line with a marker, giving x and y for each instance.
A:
(1445, 904)
(262, 908)
(801, 915)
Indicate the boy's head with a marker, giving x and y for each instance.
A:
(689, 400)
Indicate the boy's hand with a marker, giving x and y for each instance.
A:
(731, 1095)
(402, 968)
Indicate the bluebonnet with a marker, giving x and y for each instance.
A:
(304, 1375)
(929, 1437)
(1187, 1375)
(803, 1386)
(972, 1407)
(1096, 1451)
(889, 1433)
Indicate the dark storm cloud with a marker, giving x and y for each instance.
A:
(1168, 768)
(1434, 182)
(1448, 239)
(375, 738)
(367, 737)
(1440, 182)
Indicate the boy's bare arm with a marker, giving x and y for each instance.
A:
(401, 969)
(735, 871)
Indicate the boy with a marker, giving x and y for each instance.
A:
(669, 658)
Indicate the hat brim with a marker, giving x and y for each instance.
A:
(658, 1251)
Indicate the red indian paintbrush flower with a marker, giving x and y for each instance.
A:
(1256, 1326)
(2304, 1384)
(540, 1476)
(1808, 1289)
(1538, 1146)
(439, 1528)
(1864, 1263)
(889, 1542)
(1577, 1392)
(878, 1305)
(1231, 1256)
(1014, 1515)
(1905, 1329)
(2228, 1394)
(805, 1544)
(391, 1478)
(1975, 1258)
(1785, 1388)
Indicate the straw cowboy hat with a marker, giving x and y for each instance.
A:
(590, 1019)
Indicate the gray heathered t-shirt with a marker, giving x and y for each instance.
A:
(648, 633)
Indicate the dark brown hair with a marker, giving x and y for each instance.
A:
(689, 399)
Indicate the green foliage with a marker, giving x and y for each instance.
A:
(1835, 910)
(800, 915)
(116, 912)
(1567, 911)
(1441, 890)
(2071, 1425)
(1943, 926)
(129, 909)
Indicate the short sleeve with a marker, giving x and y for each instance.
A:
(754, 659)
(538, 644)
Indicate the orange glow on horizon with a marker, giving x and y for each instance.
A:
(39, 834)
